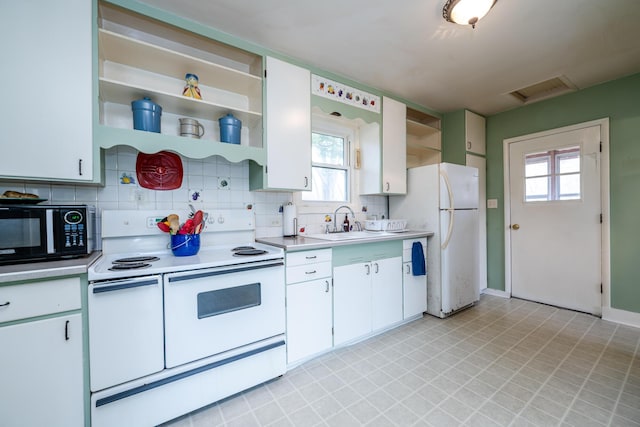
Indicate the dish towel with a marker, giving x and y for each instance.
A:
(417, 260)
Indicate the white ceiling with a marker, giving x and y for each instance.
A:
(406, 48)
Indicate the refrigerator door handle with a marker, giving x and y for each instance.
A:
(450, 231)
(450, 209)
(447, 184)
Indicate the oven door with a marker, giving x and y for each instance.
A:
(125, 330)
(213, 310)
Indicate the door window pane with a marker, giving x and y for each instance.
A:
(553, 175)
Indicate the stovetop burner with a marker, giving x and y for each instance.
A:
(242, 248)
(249, 252)
(129, 266)
(136, 259)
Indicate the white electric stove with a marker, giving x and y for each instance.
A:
(169, 334)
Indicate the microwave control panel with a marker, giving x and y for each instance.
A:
(73, 229)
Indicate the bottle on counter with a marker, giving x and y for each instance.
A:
(345, 223)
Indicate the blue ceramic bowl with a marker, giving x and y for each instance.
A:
(185, 244)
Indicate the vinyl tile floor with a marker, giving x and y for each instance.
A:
(503, 362)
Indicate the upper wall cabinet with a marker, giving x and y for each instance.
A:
(474, 132)
(45, 78)
(140, 56)
(288, 129)
(384, 162)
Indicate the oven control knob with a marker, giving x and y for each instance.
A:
(220, 220)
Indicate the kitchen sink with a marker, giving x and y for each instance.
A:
(352, 235)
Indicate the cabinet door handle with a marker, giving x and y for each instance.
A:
(468, 145)
(327, 288)
(306, 181)
(408, 269)
(80, 167)
(377, 268)
(368, 267)
(388, 186)
(6, 304)
(66, 330)
(311, 257)
(310, 272)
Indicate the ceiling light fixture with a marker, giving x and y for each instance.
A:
(466, 12)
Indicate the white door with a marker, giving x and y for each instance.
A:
(351, 302)
(309, 319)
(41, 371)
(48, 80)
(288, 127)
(481, 164)
(386, 292)
(555, 214)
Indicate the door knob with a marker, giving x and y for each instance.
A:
(515, 227)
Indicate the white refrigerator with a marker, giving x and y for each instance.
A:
(443, 198)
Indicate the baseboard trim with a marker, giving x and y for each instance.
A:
(624, 317)
(496, 292)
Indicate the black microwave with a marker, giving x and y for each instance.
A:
(30, 233)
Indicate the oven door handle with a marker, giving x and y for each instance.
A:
(98, 289)
(232, 270)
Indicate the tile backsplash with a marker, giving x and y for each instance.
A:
(207, 184)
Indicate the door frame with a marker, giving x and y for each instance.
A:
(604, 194)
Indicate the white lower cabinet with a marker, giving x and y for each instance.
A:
(309, 304)
(309, 320)
(367, 297)
(414, 287)
(41, 354)
(41, 370)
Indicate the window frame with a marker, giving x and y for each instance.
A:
(337, 126)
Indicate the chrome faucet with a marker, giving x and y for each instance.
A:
(335, 216)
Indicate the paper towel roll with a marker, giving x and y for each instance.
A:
(289, 220)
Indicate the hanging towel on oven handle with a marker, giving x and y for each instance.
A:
(418, 267)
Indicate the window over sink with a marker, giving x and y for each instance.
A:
(330, 160)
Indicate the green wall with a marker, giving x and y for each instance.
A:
(618, 100)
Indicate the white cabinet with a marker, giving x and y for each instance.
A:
(41, 363)
(481, 164)
(309, 304)
(384, 163)
(474, 133)
(386, 292)
(288, 129)
(46, 78)
(367, 297)
(414, 288)
(351, 302)
(144, 56)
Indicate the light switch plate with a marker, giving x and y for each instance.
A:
(492, 203)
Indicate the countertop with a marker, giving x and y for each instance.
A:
(303, 243)
(46, 269)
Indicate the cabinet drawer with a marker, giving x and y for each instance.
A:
(40, 298)
(308, 257)
(301, 273)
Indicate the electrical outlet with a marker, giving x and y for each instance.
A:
(136, 195)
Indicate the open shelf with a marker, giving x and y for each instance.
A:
(140, 56)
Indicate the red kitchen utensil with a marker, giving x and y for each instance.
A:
(198, 221)
(159, 171)
(164, 225)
